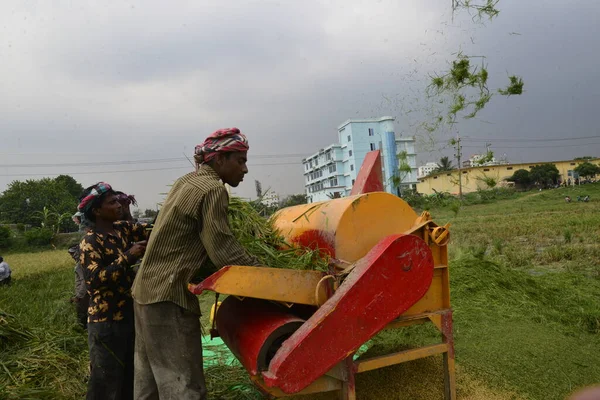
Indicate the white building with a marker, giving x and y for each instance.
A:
(475, 161)
(426, 169)
(270, 199)
(324, 174)
(331, 172)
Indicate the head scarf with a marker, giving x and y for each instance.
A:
(97, 190)
(127, 198)
(223, 140)
(77, 217)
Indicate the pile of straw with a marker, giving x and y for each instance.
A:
(260, 239)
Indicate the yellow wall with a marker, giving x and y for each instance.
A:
(472, 177)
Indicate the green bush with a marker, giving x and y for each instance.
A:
(39, 236)
(5, 237)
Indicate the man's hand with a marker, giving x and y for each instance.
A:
(138, 249)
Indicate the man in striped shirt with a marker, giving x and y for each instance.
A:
(192, 227)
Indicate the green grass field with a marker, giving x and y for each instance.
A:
(525, 276)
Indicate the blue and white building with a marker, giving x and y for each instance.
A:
(331, 172)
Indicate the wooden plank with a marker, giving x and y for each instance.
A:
(348, 391)
(323, 384)
(449, 378)
(400, 357)
(408, 322)
(339, 372)
(277, 284)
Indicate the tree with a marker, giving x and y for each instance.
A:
(404, 170)
(444, 165)
(24, 202)
(46, 217)
(148, 213)
(489, 181)
(545, 174)
(70, 184)
(294, 200)
(520, 177)
(587, 169)
(585, 158)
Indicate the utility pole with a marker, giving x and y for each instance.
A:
(458, 156)
(258, 187)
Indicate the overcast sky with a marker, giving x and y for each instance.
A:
(143, 82)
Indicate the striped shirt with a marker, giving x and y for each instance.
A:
(191, 228)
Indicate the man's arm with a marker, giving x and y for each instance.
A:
(220, 244)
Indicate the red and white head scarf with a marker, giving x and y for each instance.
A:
(97, 190)
(223, 140)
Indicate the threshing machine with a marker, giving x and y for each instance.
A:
(296, 332)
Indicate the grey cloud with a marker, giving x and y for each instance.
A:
(149, 79)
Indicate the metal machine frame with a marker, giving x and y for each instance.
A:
(434, 307)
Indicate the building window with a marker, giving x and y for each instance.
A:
(464, 172)
(328, 156)
(435, 177)
(349, 138)
(332, 168)
(508, 168)
(448, 174)
(333, 182)
(372, 146)
(531, 166)
(353, 181)
(572, 163)
(371, 133)
(486, 169)
(351, 167)
(349, 153)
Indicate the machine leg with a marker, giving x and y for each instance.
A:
(348, 391)
(449, 367)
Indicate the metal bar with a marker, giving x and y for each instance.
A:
(400, 357)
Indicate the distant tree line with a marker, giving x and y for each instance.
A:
(45, 203)
(547, 174)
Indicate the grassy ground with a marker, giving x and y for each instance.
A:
(525, 287)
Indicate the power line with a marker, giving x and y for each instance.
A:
(529, 140)
(130, 162)
(537, 147)
(135, 170)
